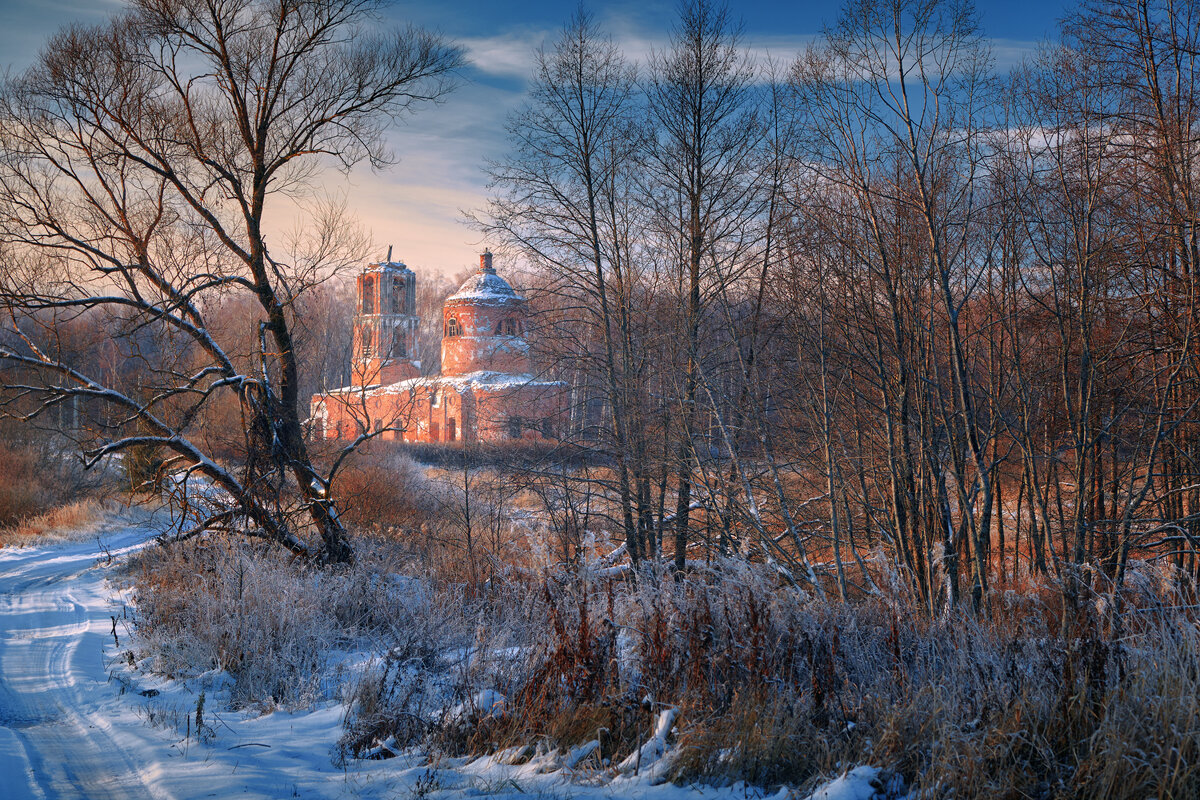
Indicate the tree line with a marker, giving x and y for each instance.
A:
(885, 312)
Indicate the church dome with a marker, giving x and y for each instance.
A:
(485, 286)
(483, 326)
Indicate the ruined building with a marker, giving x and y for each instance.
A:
(487, 389)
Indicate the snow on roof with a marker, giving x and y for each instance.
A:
(484, 380)
(499, 344)
(486, 286)
(487, 380)
(399, 266)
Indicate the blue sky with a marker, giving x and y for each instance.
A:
(416, 204)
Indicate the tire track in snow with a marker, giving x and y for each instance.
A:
(54, 740)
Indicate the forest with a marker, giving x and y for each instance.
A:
(881, 299)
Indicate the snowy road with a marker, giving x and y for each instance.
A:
(56, 739)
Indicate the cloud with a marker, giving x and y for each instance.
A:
(507, 55)
(1009, 53)
(511, 54)
(417, 204)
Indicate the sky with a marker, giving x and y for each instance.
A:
(417, 205)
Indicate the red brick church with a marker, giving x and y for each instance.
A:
(487, 389)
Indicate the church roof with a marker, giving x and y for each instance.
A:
(487, 286)
(485, 380)
(398, 266)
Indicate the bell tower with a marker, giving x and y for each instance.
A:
(385, 324)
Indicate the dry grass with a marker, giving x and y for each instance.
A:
(45, 493)
(772, 686)
(77, 520)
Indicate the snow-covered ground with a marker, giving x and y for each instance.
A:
(76, 722)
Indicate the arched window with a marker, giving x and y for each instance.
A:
(398, 296)
(399, 347)
(368, 295)
(508, 327)
(452, 328)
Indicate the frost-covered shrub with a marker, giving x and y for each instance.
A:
(773, 686)
(381, 488)
(769, 684)
(428, 696)
(225, 605)
(271, 621)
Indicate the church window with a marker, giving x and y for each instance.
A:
(398, 296)
(452, 328)
(399, 347)
(368, 295)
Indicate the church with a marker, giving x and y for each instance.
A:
(487, 390)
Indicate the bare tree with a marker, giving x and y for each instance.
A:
(1144, 53)
(701, 168)
(892, 101)
(142, 159)
(566, 203)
